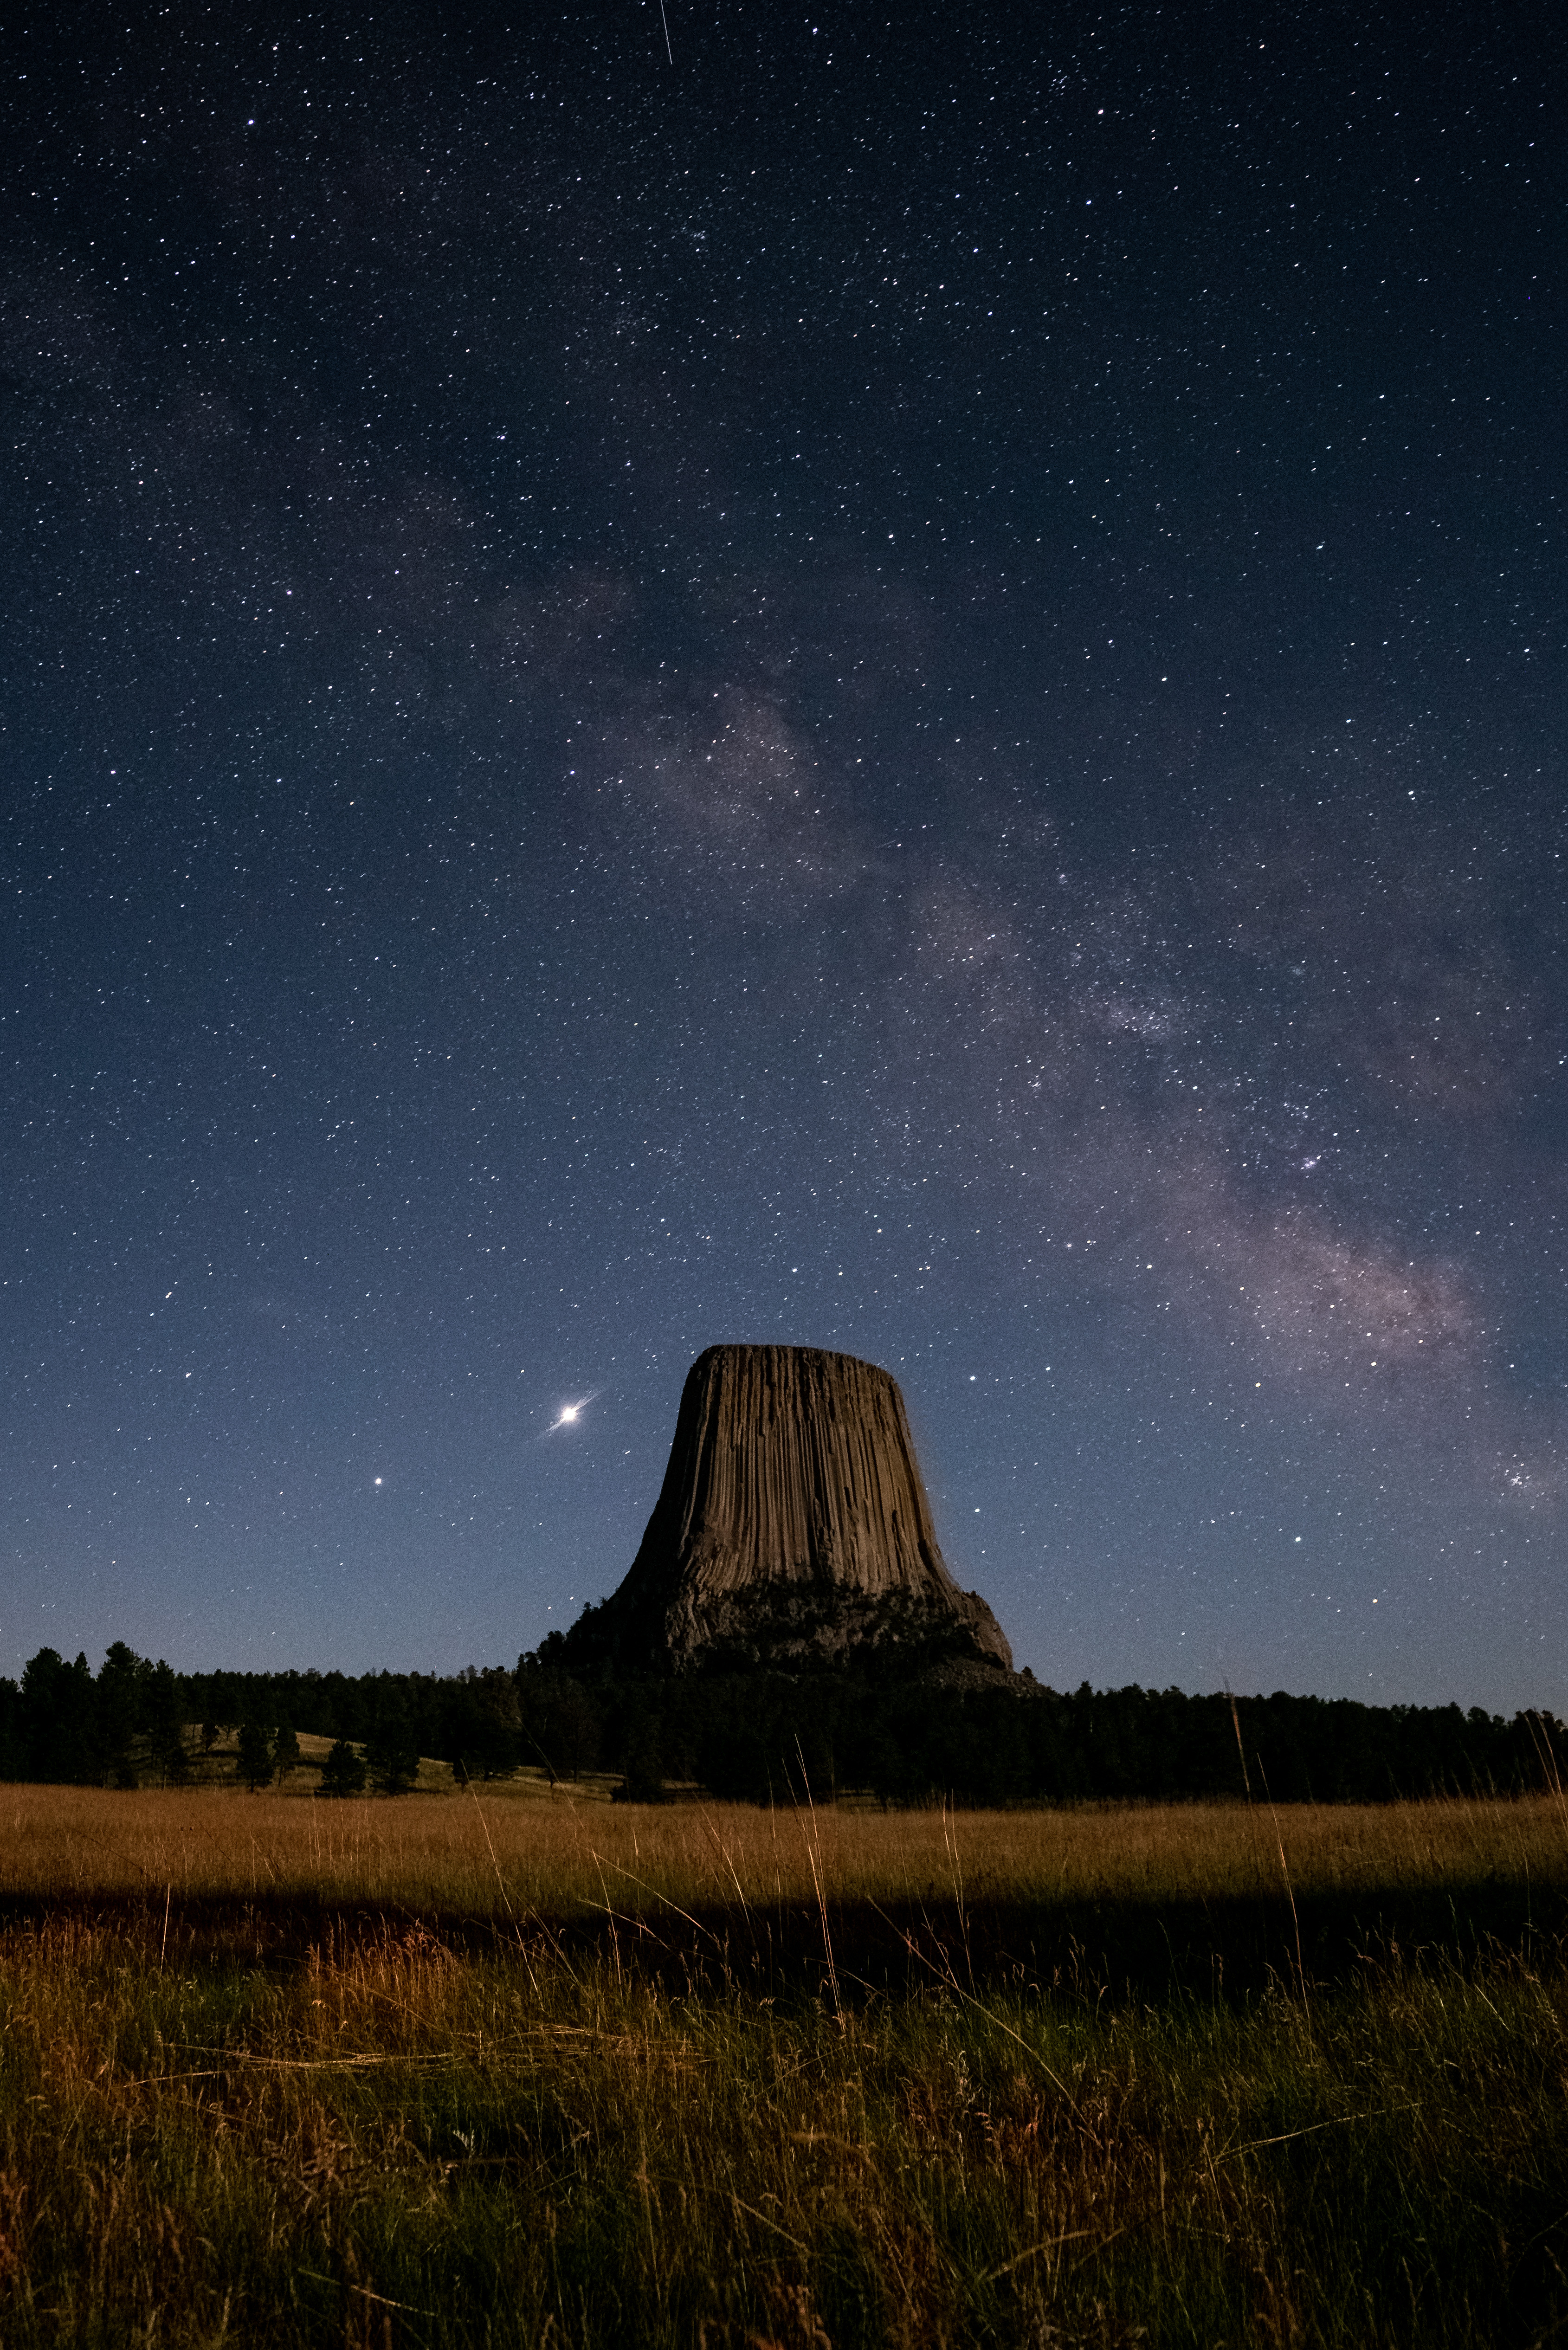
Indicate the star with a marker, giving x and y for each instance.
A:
(569, 1415)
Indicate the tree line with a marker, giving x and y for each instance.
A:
(136, 1723)
(759, 1736)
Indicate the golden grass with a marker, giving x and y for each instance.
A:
(381, 2128)
(557, 1855)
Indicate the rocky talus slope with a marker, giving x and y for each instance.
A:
(792, 1529)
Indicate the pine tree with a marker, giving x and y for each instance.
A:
(254, 1764)
(163, 1727)
(342, 1773)
(120, 1694)
(393, 1756)
(56, 1720)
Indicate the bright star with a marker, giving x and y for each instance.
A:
(569, 1414)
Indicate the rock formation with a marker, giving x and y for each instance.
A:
(792, 1529)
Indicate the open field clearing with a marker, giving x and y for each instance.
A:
(525, 1847)
(452, 2070)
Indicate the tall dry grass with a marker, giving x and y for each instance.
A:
(569, 2126)
(471, 1854)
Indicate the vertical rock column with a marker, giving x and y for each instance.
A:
(792, 1522)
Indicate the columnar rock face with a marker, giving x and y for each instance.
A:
(792, 1528)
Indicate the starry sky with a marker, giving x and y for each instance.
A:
(887, 679)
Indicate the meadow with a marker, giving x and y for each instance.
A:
(519, 2065)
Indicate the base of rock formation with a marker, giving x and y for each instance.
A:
(803, 1632)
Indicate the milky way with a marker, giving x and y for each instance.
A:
(890, 686)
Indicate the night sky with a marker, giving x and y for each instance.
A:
(891, 680)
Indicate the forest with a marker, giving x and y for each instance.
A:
(760, 1736)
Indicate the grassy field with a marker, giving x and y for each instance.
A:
(524, 2067)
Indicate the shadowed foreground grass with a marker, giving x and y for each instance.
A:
(1007, 2080)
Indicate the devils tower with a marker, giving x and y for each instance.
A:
(792, 1529)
